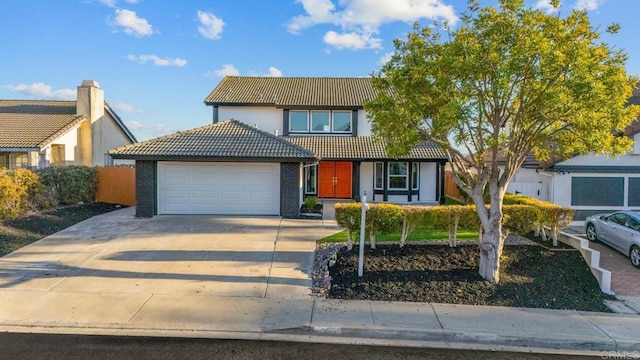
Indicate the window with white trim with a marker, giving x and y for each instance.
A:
(341, 122)
(298, 121)
(397, 176)
(378, 176)
(320, 121)
(310, 179)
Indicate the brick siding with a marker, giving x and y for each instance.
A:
(146, 191)
(289, 190)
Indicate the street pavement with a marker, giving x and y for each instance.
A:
(249, 278)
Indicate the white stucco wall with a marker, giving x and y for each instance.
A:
(364, 127)
(530, 182)
(70, 140)
(366, 179)
(428, 184)
(107, 135)
(636, 143)
(267, 119)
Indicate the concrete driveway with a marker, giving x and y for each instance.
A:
(115, 253)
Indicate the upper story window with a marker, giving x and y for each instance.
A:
(299, 121)
(320, 121)
(341, 121)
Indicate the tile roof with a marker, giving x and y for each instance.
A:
(361, 148)
(292, 91)
(35, 123)
(228, 139)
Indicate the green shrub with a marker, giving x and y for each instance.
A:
(13, 196)
(348, 217)
(520, 219)
(548, 215)
(383, 219)
(310, 203)
(452, 217)
(413, 217)
(72, 184)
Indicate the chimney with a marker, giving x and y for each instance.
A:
(90, 104)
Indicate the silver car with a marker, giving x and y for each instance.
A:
(620, 229)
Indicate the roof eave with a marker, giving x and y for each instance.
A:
(209, 158)
(120, 123)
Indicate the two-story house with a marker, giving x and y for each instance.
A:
(40, 133)
(274, 141)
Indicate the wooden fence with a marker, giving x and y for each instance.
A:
(450, 188)
(117, 185)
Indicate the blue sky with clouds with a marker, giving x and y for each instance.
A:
(158, 59)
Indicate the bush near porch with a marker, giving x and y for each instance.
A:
(401, 223)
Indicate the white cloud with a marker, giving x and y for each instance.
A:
(210, 25)
(131, 23)
(226, 70)
(353, 40)
(545, 5)
(125, 108)
(109, 3)
(112, 3)
(43, 91)
(588, 5)
(360, 20)
(385, 58)
(157, 61)
(230, 70)
(274, 72)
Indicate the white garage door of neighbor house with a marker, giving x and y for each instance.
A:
(218, 188)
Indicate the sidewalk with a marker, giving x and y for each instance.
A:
(322, 320)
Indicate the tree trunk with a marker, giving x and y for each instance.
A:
(349, 240)
(454, 241)
(490, 253)
(372, 239)
(403, 236)
(492, 239)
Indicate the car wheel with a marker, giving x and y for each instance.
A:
(634, 254)
(591, 233)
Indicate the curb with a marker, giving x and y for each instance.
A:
(347, 336)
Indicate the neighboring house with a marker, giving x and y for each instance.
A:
(274, 141)
(40, 133)
(589, 184)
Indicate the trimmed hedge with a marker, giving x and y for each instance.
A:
(521, 215)
(72, 184)
(348, 217)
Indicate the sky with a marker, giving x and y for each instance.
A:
(157, 60)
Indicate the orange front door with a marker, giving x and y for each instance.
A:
(334, 179)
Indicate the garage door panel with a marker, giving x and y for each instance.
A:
(219, 188)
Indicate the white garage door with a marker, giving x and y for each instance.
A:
(218, 188)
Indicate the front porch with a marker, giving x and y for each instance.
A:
(402, 182)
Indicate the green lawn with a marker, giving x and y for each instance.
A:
(416, 235)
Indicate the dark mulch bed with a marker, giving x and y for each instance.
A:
(530, 276)
(22, 231)
(549, 242)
